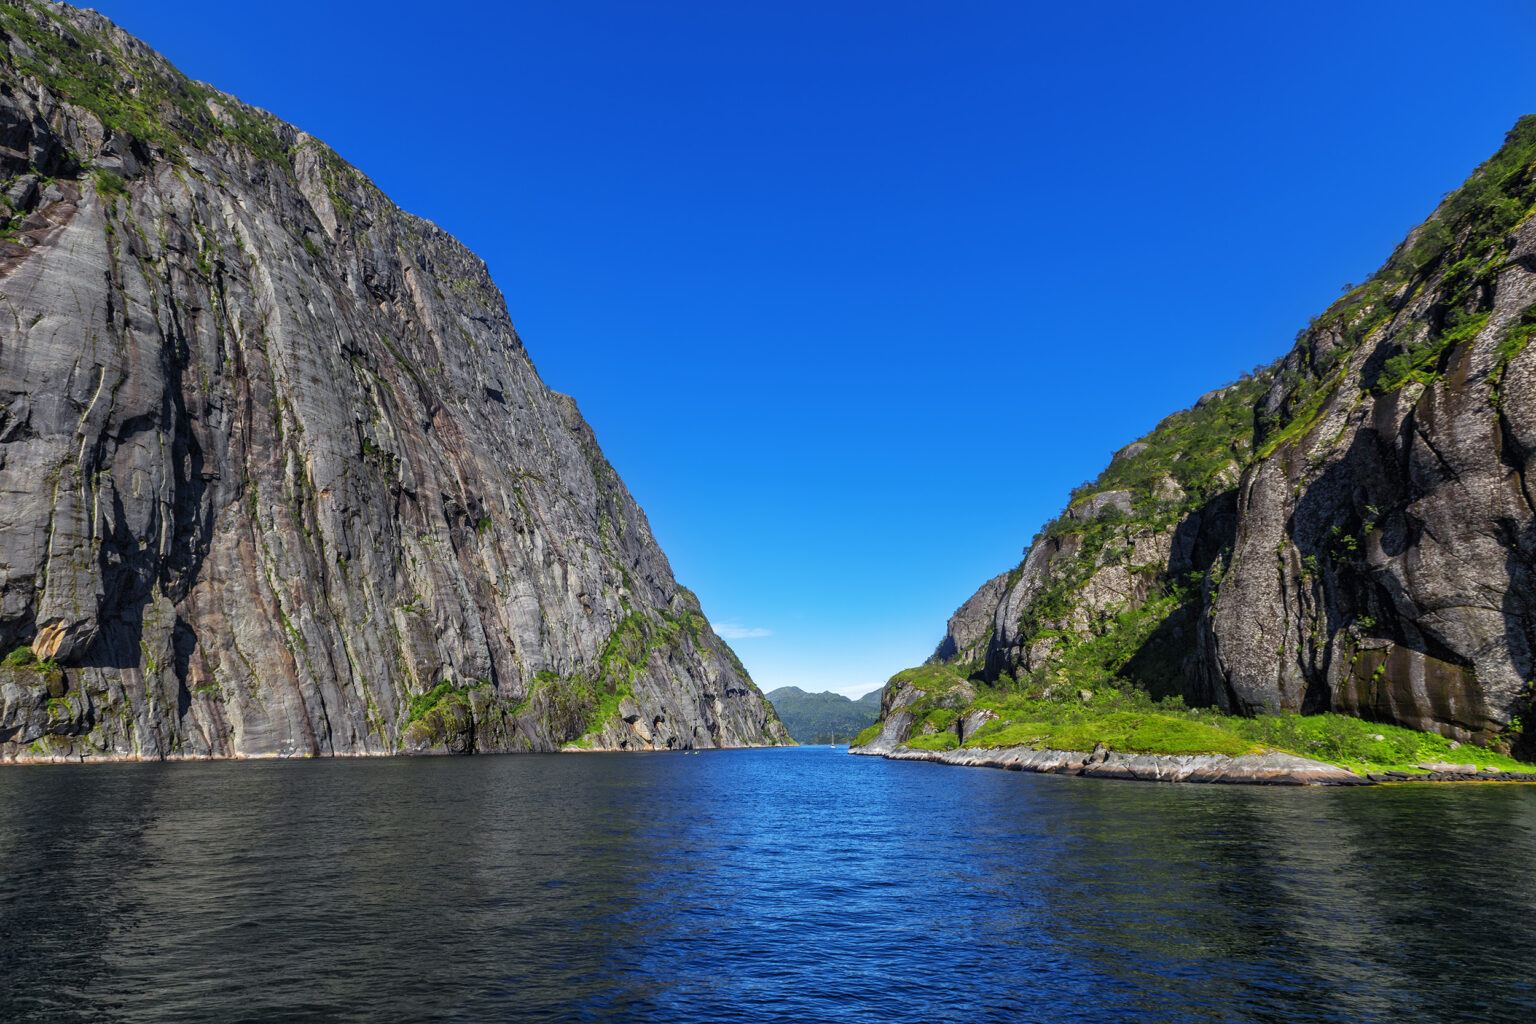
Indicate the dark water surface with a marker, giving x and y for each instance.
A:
(789, 885)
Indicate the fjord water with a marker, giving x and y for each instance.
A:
(764, 885)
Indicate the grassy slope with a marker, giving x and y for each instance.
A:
(1131, 721)
(1119, 657)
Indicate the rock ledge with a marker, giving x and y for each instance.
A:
(1270, 769)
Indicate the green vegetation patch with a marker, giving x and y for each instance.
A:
(165, 108)
(930, 678)
(109, 184)
(21, 657)
(441, 697)
(1420, 363)
(1510, 346)
(50, 674)
(940, 719)
(1130, 721)
(934, 741)
(866, 736)
(1065, 727)
(625, 653)
(1192, 447)
(1086, 661)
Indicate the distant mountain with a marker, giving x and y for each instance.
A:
(823, 717)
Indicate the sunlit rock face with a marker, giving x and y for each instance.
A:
(1351, 529)
(276, 474)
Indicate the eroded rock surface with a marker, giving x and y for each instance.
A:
(1351, 529)
(277, 476)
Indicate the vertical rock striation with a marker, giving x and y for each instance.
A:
(1352, 529)
(277, 476)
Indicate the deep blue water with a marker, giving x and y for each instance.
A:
(776, 885)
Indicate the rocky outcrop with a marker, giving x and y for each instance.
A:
(1351, 529)
(971, 627)
(1270, 769)
(1386, 535)
(277, 476)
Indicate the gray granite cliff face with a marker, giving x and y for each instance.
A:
(277, 476)
(1383, 558)
(1352, 529)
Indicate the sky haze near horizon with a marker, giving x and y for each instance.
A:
(854, 293)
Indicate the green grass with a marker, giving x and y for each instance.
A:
(1124, 731)
(934, 741)
(1349, 742)
(941, 718)
(930, 678)
(866, 736)
(1192, 446)
(109, 184)
(606, 711)
(1130, 721)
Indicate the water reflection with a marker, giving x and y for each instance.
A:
(750, 885)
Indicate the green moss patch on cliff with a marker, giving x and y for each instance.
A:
(161, 106)
(1191, 447)
(1511, 345)
(1421, 363)
(27, 669)
(628, 650)
(1189, 459)
(439, 716)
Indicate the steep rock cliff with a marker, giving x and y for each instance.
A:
(277, 476)
(1351, 529)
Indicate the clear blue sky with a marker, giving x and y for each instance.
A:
(854, 292)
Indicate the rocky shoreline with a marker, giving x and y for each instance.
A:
(64, 757)
(1274, 768)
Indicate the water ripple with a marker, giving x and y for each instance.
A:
(763, 886)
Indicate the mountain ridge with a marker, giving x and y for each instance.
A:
(823, 717)
(1346, 530)
(303, 491)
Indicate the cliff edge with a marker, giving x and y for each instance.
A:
(1351, 530)
(277, 476)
